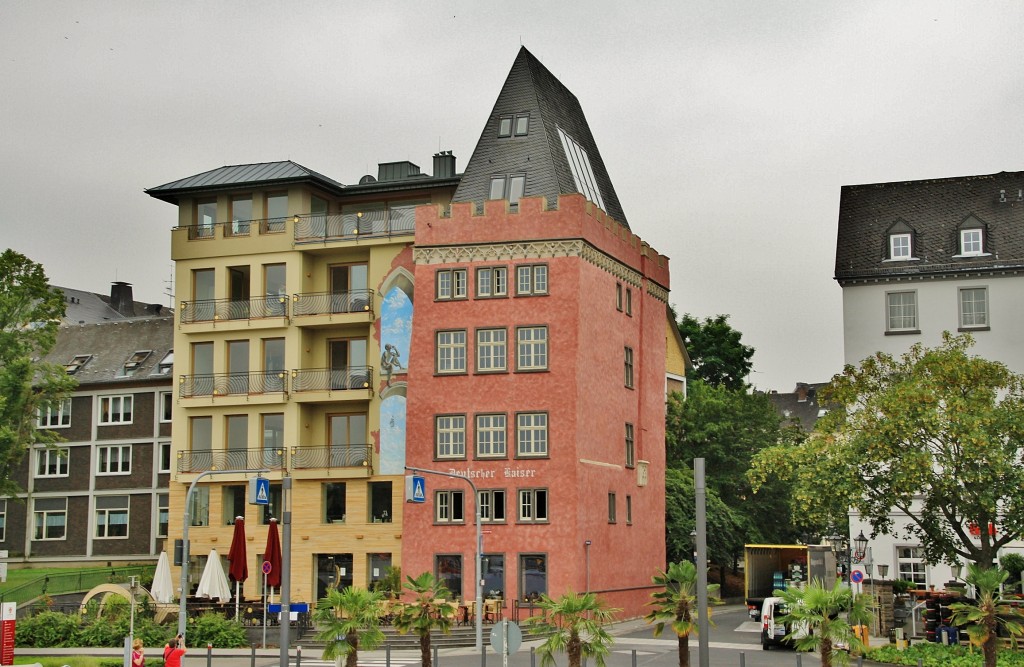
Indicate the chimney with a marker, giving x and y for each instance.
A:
(121, 298)
(444, 165)
(801, 392)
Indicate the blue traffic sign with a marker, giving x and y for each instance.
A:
(419, 489)
(259, 491)
(857, 576)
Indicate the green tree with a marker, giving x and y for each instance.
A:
(816, 618)
(675, 605)
(348, 620)
(935, 434)
(726, 528)
(428, 610)
(718, 356)
(574, 625)
(987, 614)
(30, 314)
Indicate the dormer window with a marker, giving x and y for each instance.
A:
(518, 125)
(899, 246)
(76, 363)
(508, 187)
(166, 364)
(135, 361)
(970, 242)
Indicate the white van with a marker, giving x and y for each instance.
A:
(773, 632)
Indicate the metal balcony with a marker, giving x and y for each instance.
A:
(233, 384)
(329, 303)
(320, 227)
(332, 456)
(236, 228)
(332, 379)
(214, 310)
(231, 459)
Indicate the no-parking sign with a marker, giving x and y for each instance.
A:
(857, 576)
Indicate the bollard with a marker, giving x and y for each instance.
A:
(435, 655)
(533, 657)
(743, 659)
(387, 655)
(920, 662)
(799, 660)
(860, 661)
(209, 655)
(634, 657)
(298, 656)
(252, 656)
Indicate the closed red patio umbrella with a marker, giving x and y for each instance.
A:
(238, 571)
(272, 555)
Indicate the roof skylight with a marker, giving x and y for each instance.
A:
(582, 173)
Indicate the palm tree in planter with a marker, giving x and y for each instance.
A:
(348, 620)
(428, 610)
(574, 626)
(984, 618)
(816, 622)
(676, 605)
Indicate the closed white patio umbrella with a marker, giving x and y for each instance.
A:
(163, 586)
(214, 583)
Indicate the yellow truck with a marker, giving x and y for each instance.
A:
(771, 567)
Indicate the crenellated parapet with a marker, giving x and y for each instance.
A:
(533, 229)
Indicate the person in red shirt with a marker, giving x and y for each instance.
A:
(173, 652)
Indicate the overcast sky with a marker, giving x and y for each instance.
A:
(727, 127)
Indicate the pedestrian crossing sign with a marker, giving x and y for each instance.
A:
(415, 489)
(259, 491)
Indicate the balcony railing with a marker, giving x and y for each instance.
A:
(332, 456)
(236, 228)
(350, 226)
(327, 303)
(231, 459)
(231, 384)
(332, 379)
(211, 310)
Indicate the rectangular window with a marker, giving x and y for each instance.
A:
(618, 297)
(973, 307)
(902, 311)
(533, 577)
(335, 502)
(911, 565)
(611, 508)
(522, 124)
(448, 572)
(241, 214)
(450, 284)
(163, 456)
(114, 460)
(201, 433)
(504, 127)
(491, 347)
(206, 218)
(628, 367)
(380, 502)
(52, 462)
(200, 510)
(533, 505)
(277, 211)
(493, 574)
(448, 507)
(163, 513)
(511, 188)
(970, 242)
(450, 436)
(112, 516)
(233, 500)
(490, 436)
(899, 246)
(532, 279)
(629, 302)
(531, 348)
(492, 281)
(492, 505)
(50, 516)
(55, 416)
(451, 351)
(532, 434)
(166, 407)
(630, 447)
(629, 510)
(116, 409)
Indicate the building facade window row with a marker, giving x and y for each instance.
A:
(531, 506)
(491, 436)
(902, 314)
(491, 282)
(452, 350)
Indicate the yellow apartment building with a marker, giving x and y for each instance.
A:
(291, 339)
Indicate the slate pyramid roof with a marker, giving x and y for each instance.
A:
(541, 154)
(262, 173)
